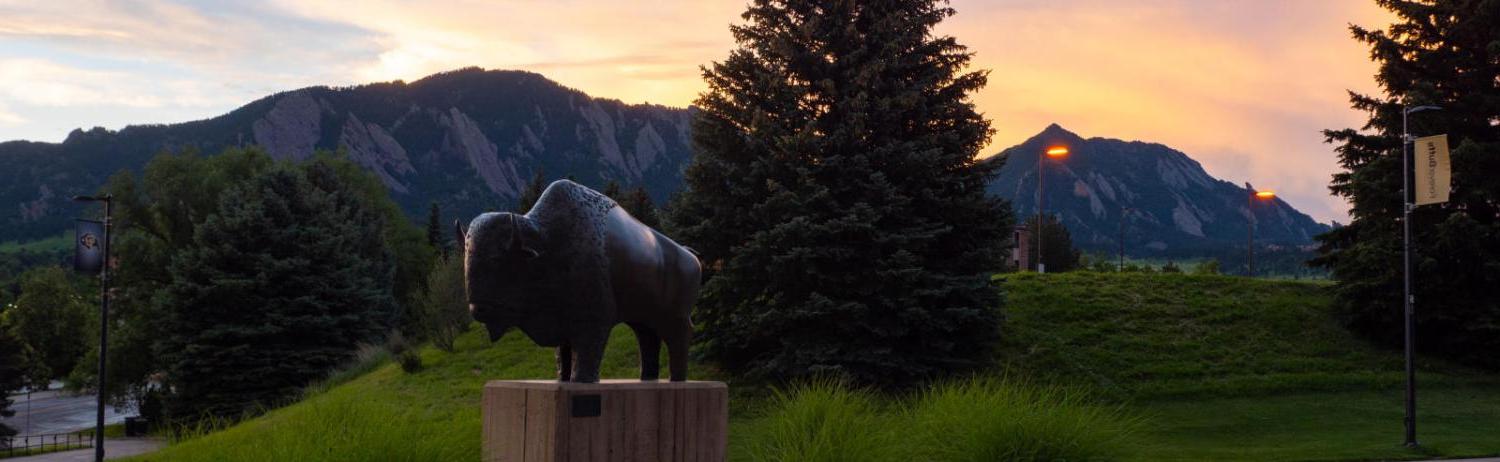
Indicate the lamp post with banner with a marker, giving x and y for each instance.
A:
(91, 255)
(1409, 202)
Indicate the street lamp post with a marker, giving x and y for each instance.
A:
(103, 322)
(1409, 300)
(1058, 152)
(1250, 241)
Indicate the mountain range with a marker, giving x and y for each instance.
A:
(1163, 200)
(470, 140)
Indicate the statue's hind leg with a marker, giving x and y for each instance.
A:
(564, 363)
(650, 351)
(678, 340)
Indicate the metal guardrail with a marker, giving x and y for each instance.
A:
(37, 444)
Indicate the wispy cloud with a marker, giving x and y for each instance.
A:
(10, 118)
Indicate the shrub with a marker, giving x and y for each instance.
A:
(411, 361)
(445, 307)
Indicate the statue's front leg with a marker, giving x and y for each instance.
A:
(564, 363)
(591, 356)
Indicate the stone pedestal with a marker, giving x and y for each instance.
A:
(615, 420)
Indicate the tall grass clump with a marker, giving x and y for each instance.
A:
(995, 419)
(822, 421)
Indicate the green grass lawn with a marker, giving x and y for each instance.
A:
(1225, 368)
(1351, 425)
(1179, 367)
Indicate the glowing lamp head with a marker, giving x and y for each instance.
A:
(1057, 151)
(1265, 195)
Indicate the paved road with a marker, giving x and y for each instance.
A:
(113, 449)
(56, 412)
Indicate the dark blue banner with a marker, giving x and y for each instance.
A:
(88, 244)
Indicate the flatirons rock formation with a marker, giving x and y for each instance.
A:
(1173, 204)
(468, 139)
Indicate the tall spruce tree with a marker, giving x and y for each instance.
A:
(836, 198)
(284, 280)
(1444, 53)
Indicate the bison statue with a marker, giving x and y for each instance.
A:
(571, 269)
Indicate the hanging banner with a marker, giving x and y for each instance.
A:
(88, 246)
(1432, 172)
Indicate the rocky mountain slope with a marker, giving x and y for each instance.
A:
(1169, 204)
(468, 139)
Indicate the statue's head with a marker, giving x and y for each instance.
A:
(499, 250)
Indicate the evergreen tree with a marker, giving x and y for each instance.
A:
(612, 189)
(156, 215)
(284, 279)
(836, 199)
(638, 203)
(1057, 245)
(435, 229)
(12, 374)
(532, 192)
(1440, 53)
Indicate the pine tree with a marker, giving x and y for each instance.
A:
(532, 192)
(435, 235)
(836, 199)
(1056, 243)
(638, 203)
(283, 281)
(1440, 53)
(612, 189)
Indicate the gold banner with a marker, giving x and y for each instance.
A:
(1433, 173)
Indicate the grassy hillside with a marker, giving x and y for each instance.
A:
(1226, 368)
(1209, 367)
(1161, 335)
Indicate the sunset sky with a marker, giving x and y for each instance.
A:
(1242, 86)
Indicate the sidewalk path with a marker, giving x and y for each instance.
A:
(114, 448)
